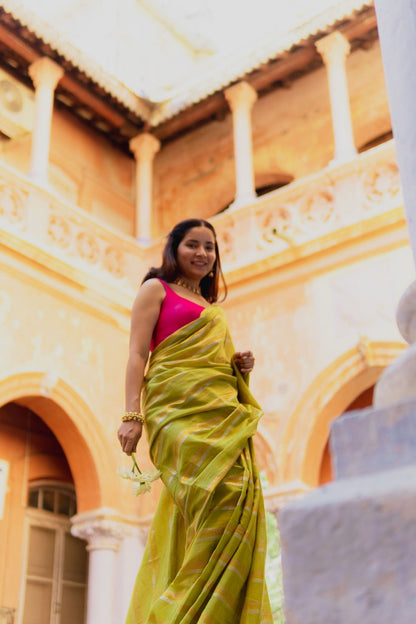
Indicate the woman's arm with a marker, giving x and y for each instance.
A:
(144, 315)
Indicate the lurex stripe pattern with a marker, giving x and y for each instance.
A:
(205, 555)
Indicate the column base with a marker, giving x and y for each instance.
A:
(240, 202)
(348, 552)
(348, 548)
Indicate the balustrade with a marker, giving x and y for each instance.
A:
(75, 244)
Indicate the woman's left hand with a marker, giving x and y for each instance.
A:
(244, 361)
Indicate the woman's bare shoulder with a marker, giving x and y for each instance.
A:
(151, 290)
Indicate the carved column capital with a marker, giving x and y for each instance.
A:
(144, 146)
(45, 72)
(240, 96)
(333, 47)
(101, 528)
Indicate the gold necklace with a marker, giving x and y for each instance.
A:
(181, 282)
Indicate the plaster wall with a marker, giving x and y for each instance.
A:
(299, 328)
(85, 169)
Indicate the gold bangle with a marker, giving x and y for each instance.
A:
(136, 416)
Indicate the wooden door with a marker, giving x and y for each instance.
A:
(56, 572)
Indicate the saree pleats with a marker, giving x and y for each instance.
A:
(205, 555)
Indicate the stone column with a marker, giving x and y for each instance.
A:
(241, 98)
(334, 49)
(45, 75)
(144, 147)
(397, 27)
(103, 534)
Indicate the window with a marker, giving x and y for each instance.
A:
(59, 499)
(56, 561)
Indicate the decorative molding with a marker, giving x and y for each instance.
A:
(311, 208)
(298, 220)
(105, 528)
(13, 205)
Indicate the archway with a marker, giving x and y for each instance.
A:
(75, 427)
(363, 400)
(328, 396)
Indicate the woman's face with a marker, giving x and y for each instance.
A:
(196, 253)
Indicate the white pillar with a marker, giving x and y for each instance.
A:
(334, 49)
(103, 535)
(129, 557)
(144, 147)
(397, 27)
(45, 75)
(241, 98)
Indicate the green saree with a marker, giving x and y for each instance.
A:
(205, 554)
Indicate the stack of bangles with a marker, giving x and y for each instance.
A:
(136, 416)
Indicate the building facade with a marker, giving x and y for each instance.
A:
(294, 164)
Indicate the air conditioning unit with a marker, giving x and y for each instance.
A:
(17, 106)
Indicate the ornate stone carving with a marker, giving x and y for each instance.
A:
(278, 226)
(365, 351)
(226, 243)
(113, 261)
(59, 231)
(381, 183)
(87, 247)
(12, 204)
(317, 208)
(100, 533)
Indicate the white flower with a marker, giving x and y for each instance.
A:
(142, 480)
(141, 488)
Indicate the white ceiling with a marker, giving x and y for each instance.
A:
(160, 56)
(157, 48)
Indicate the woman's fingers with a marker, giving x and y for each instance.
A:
(245, 361)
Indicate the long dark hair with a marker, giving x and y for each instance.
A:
(169, 271)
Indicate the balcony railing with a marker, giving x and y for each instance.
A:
(306, 214)
(310, 210)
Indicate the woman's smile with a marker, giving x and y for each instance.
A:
(196, 253)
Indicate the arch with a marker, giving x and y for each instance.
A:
(266, 454)
(73, 423)
(326, 398)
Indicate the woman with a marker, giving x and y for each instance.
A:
(204, 559)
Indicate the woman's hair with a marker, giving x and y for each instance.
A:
(169, 271)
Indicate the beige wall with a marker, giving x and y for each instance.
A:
(85, 169)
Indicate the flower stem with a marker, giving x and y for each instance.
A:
(135, 466)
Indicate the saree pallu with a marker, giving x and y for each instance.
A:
(205, 554)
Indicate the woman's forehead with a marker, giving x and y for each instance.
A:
(200, 233)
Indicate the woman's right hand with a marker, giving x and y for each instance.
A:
(129, 433)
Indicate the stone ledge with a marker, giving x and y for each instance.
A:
(374, 440)
(349, 552)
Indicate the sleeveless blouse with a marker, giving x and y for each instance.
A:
(175, 312)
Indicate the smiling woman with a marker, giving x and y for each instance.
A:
(205, 556)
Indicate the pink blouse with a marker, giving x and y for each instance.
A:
(175, 312)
